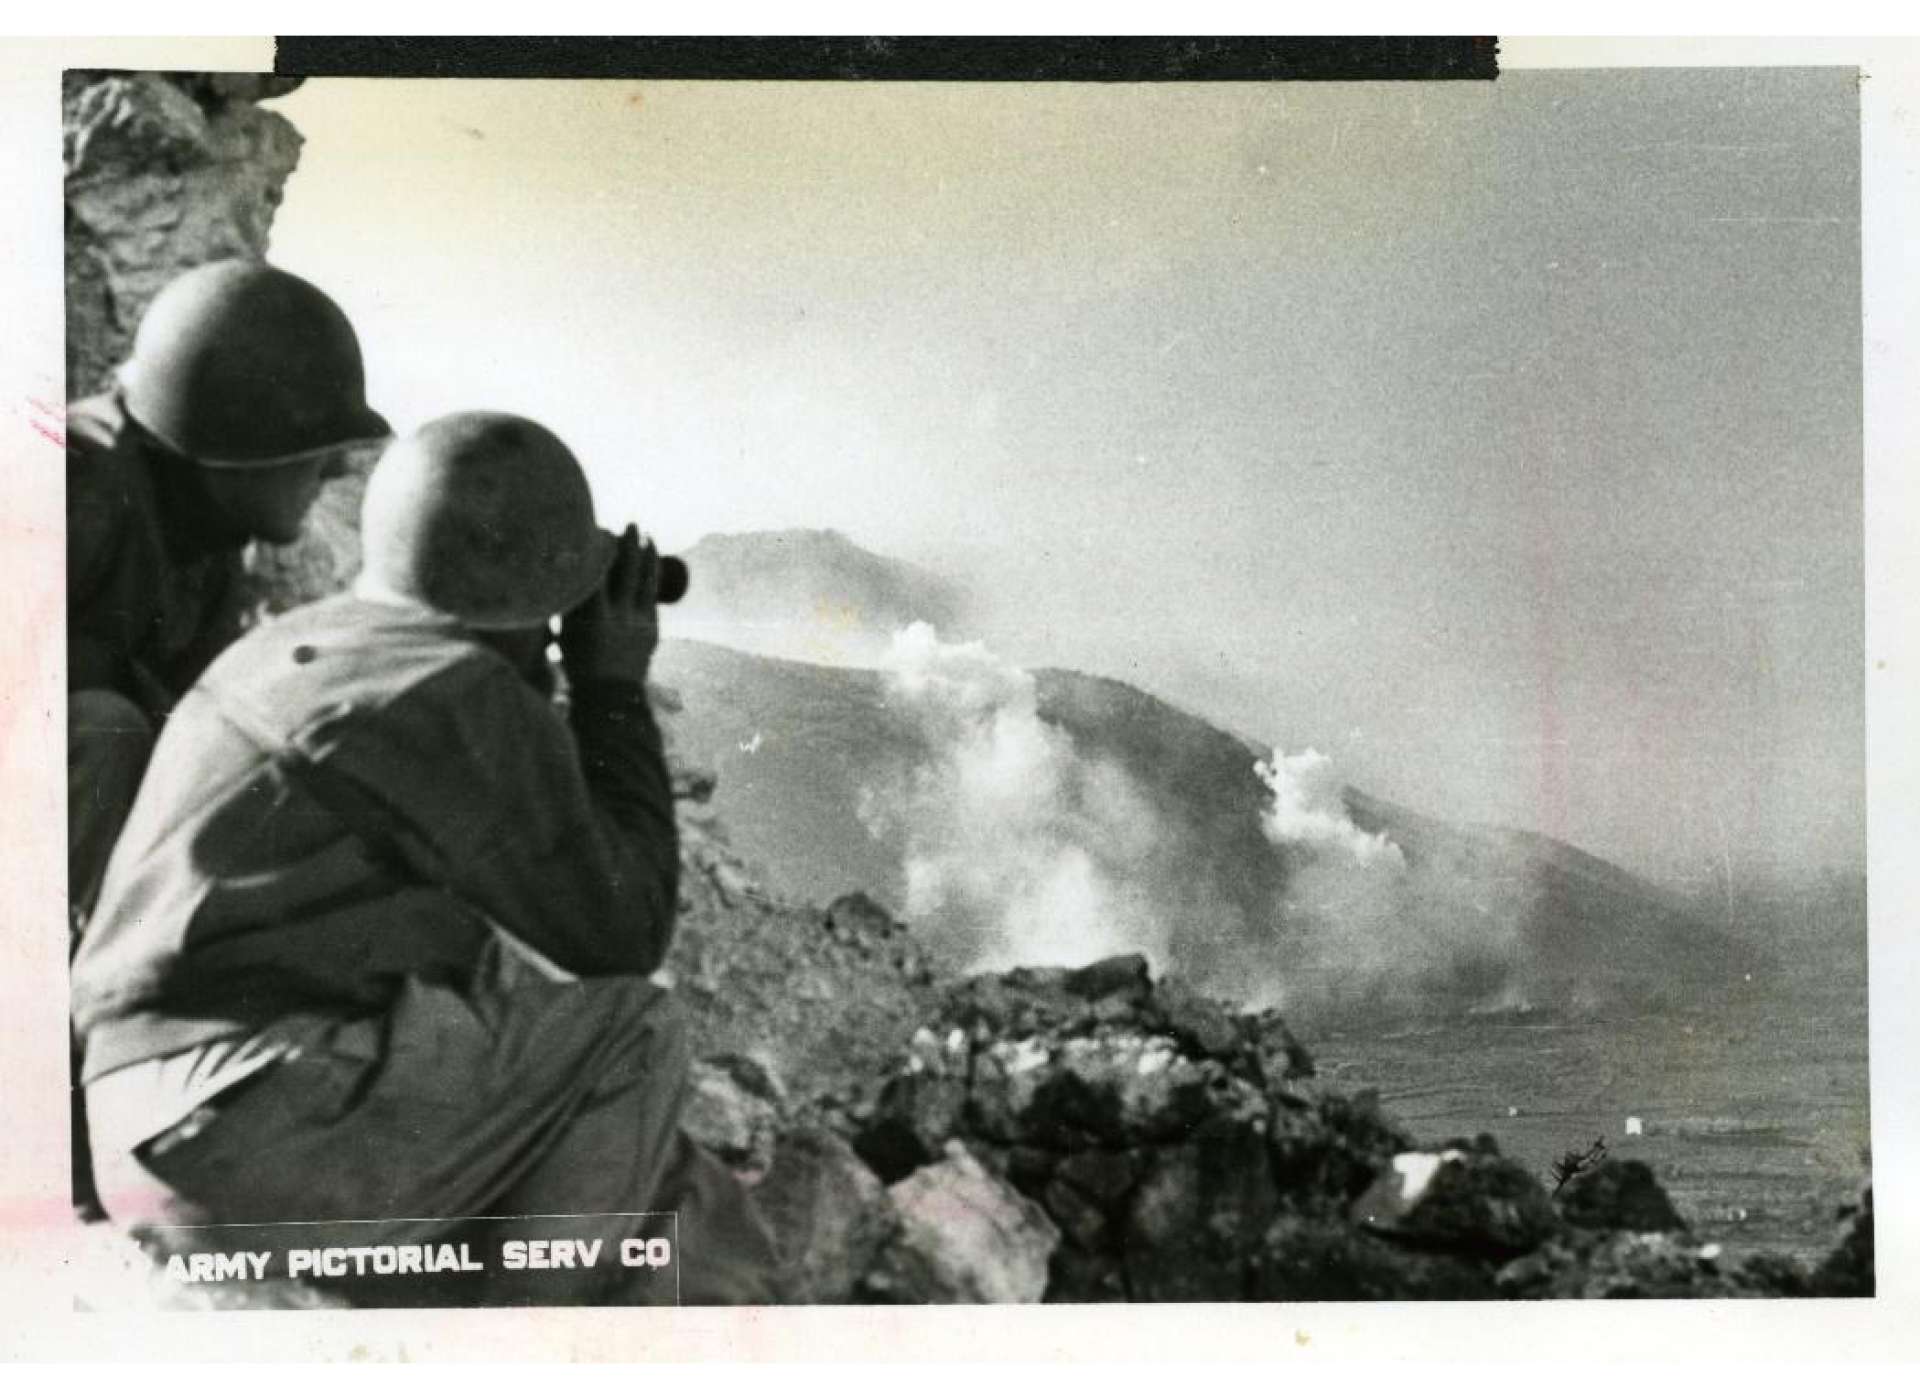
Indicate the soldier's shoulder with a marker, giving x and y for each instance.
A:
(108, 493)
(346, 643)
(103, 457)
(95, 426)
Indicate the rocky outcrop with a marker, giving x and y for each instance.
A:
(734, 1108)
(829, 1215)
(1162, 1134)
(1096, 1135)
(1619, 1195)
(1848, 1271)
(163, 172)
(963, 1235)
(1630, 1264)
(1469, 1201)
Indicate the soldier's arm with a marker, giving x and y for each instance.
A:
(559, 830)
(561, 833)
(623, 763)
(97, 522)
(608, 642)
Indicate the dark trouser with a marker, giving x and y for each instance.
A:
(550, 1099)
(109, 741)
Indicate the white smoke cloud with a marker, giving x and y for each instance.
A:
(1367, 925)
(1309, 810)
(1018, 848)
(1022, 848)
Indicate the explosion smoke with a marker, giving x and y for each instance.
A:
(1021, 846)
(1018, 848)
(1369, 926)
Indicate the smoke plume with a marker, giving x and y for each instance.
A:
(1018, 848)
(1026, 842)
(1364, 925)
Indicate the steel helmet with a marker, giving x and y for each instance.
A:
(238, 364)
(485, 516)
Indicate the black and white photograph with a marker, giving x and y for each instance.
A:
(800, 693)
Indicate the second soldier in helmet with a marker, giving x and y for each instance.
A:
(244, 393)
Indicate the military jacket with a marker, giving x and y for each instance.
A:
(355, 794)
(151, 598)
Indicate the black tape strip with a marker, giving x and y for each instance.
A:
(1095, 60)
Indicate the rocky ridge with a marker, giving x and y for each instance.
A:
(1094, 1134)
(1091, 1134)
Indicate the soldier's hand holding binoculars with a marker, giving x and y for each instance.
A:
(614, 632)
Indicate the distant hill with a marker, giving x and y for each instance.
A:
(809, 594)
(1500, 921)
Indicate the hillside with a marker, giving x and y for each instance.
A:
(1486, 919)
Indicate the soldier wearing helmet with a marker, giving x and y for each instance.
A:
(376, 944)
(244, 393)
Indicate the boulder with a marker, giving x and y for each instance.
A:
(917, 1111)
(1468, 1202)
(861, 915)
(1200, 1024)
(1618, 1194)
(1621, 1264)
(1198, 1207)
(1103, 1176)
(1277, 1056)
(965, 1236)
(1848, 1272)
(828, 1213)
(1116, 1088)
(734, 1108)
(1081, 1276)
(1307, 1260)
(1329, 1147)
(1125, 977)
(1031, 1001)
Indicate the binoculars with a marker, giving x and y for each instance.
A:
(674, 577)
(670, 581)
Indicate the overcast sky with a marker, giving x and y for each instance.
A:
(1502, 440)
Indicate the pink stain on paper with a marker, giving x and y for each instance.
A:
(47, 420)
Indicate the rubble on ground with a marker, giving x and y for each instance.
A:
(829, 1215)
(1619, 1194)
(1848, 1271)
(962, 1235)
(1168, 1148)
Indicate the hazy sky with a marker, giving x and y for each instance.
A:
(1502, 439)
